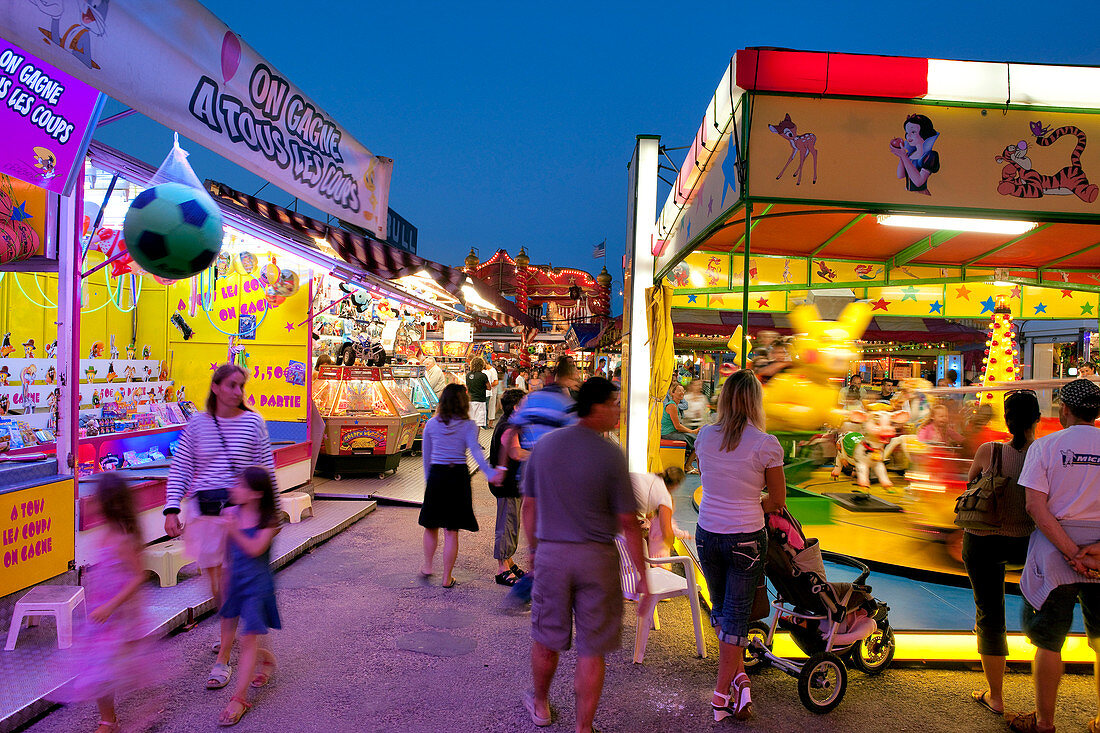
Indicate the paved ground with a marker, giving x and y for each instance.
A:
(350, 606)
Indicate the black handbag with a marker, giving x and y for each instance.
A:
(982, 505)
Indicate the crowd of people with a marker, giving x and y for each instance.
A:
(572, 511)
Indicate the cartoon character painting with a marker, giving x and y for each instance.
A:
(45, 161)
(679, 275)
(867, 272)
(916, 158)
(804, 145)
(88, 20)
(825, 272)
(1019, 179)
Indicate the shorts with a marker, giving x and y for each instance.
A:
(577, 583)
(203, 537)
(478, 413)
(732, 565)
(1048, 626)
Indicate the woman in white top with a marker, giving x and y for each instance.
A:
(653, 493)
(737, 460)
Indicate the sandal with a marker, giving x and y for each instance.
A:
(219, 676)
(744, 697)
(1025, 723)
(529, 705)
(267, 669)
(227, 719)
(982, 698)
(452, 584)
(517, 572)
(725, 710)
(508, 578)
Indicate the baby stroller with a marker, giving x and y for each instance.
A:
(832, 623)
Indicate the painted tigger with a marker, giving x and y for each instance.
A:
(1018, 179)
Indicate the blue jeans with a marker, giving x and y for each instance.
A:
(732, 565)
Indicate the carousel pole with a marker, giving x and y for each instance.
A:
(745, 281)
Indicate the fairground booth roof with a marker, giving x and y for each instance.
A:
(928, 187)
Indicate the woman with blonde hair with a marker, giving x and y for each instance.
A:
(737, 460)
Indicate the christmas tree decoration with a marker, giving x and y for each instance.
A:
(1001, 362)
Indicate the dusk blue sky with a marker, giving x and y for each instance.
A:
(512, 124)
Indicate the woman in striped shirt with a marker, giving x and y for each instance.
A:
(214, 449)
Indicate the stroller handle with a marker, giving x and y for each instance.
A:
(851, 562)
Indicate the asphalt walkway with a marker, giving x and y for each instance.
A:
(364, 647)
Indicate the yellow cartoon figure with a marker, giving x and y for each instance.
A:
(805, 396)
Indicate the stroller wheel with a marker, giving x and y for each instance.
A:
(822, 682)
(874, 654)
(758, 641)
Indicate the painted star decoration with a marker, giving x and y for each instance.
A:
(289, 326)
(936, 307)
(1016, 292)
(213, 366)
(1086, 308)
(910, 293)
(963, 293)
(879, 305)
(1067, 293)
(1041, 308)
(19, 213)
(762, 302)
(693, 298)
(988, 305)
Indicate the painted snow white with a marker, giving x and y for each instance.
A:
(916, 158)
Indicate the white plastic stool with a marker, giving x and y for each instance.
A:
(166, 559)
(58, 601)
(296, 504)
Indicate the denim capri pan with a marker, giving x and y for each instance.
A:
(732, 565)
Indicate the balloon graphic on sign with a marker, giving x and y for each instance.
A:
(231, 55)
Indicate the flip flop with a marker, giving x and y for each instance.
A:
(979, 696)
(452, 584)
(267, 669)
(529, 704)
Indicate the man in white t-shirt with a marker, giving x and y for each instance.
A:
(492, 393)
(1062, 477)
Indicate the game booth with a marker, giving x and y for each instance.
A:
(943, 194)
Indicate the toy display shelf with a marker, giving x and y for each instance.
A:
(93, 448)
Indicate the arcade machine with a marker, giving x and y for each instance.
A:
(410, 380)
(369, 422)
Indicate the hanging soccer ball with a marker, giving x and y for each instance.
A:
(173, 231)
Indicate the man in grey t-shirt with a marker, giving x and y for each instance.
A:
(577, 496)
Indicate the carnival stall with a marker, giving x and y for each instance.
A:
(894, 230)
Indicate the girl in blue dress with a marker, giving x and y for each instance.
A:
(248, 608)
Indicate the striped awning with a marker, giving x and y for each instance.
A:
(376, 257)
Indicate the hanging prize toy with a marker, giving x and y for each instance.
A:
(51, 375)
(185, 329)
(96, 351)
(382, 307)
(28, 349)
(246, 264)
(5, 346)
(114, 349)
(52, 402)
(130, 351)
(51, 349)
(145, 351)
(129, 372)
(95, 398)
(148, 372)
(111, 372)
(223, 265)
(90, 374)
(5, 375)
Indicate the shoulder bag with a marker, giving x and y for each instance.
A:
(982, 505)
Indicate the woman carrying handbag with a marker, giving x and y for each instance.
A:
(214, 449)
(986, 552)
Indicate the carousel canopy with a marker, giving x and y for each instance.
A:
(882, 328)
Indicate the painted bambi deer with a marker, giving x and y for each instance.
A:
(802, 145)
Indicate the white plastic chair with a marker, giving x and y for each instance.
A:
(663, 584)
